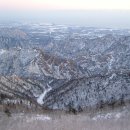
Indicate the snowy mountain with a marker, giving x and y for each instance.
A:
(58, 66)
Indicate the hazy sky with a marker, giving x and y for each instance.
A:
(99, 13)
(63, 4)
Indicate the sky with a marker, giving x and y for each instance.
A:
(63, 4)
(99, 13)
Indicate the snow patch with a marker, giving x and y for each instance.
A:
(38, 118)
(42, 96)
(118, 115)
(110, 62)
(102, 116)
(112, 76)
(115, 115)
(50, 81)
(2, 51)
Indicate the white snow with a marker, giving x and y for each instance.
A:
(110, 62)
(118, 115)
(42, 96)
(111, 115)
(50, 81)
(112, 76)
(2, 51)
(103, 116)
(57, 72)
(82, 45)
(38, 118)
(67, 74)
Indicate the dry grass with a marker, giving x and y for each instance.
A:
(63, 121)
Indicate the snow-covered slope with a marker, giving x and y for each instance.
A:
(64, 66)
